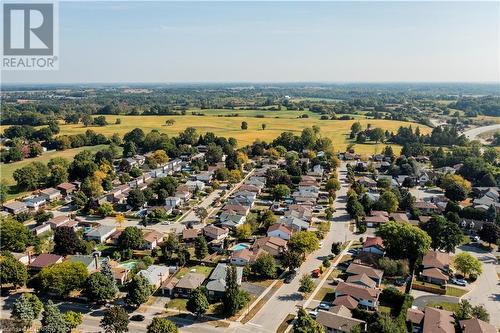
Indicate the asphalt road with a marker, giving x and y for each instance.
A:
(473, 134)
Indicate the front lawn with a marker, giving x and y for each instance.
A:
(325, 294)
(453, 291)
(177, 303)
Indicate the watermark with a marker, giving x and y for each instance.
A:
(30, 35)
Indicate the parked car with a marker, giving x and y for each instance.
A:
(290, 276)
(474, 239)
(324, 306)
(137, 317)
(316, 273)
(459, 282)
(313, 313)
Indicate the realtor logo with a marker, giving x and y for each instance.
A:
(29, 36)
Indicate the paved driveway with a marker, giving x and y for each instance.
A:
(486, 290)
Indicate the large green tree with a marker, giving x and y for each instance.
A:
(26, 309)
(161, 325)
(265, 266)
(467, 264)
(62, 278)
(304, 242)
(12, 271)
(445, 235)
(490, 233)
(200, 247)
(234, 298)
(15, 236)
(131, 238)
(306, 324)
(53, 321)
(138, 291)
(197, 302)
(98, 288)
(115, 320)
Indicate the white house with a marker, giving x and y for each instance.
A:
(35, 203)
(195, 184)
(51, 194)
(280, 231)
(155, 274)
(173, 201)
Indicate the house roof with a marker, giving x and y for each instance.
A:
(217, 280)
(376, 219)
(190, 233)
(363, 278)
(153, 273)
(399, 217)
(425, 205)
(338, 322)
(373, 241)
(279, 227)
(45, 259)
(436, 259)
(213, 230)
(379, 213)
(415, 316)
(191, 281)
(361, 269)
(435, 273)
(58, 220)
(475, 325)
(152, 236)
(66, 186)
(272, 242)
(84, 259)
(438, 321)
(14, 205)
(101, 231)
(357, 291)
(50, 191)
(241, 210)
(247, 254)
(347, 301)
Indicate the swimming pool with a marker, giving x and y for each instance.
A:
(129, 265)
(240, 246)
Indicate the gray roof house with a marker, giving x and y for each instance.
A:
(101, 233)
(216, 285)
(155, 274)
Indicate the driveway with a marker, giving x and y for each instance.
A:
(486, 290)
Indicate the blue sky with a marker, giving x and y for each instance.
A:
(274, 41)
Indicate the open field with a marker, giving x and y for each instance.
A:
(337, 130)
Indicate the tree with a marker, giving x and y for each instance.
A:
(445, 235)
(73, 319)
(200, 247)
(12, 271)
(67, 242)
(129, 149)
(388, 202)
(170, 122)
(31, 176)
(336, 248)
(467, 311)
(456, 187)
(332, 184)
(234, 298)
(467, 264)
(265, 266)
(136, 198)
(490, 233)
(201, 213)
(244, 125)
(105, 209)
(377, 134)
(244, 231)
(267, 218)
(138, 290)
(292, 259)
(26, 309)
(197, 302)
(4, 191)
(131, 238)
(403, 240)
(306, 324)
(306, 284)
(161, 325)
(62, 278)
(53, 321)
(281, 192)
(214, 154)
(115, 320)
(15, 236)
(99, 288)
(263, 126)
(304, 242)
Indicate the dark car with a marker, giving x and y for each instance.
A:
(290, 276)
(137, 317)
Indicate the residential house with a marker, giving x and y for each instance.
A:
(279, 230)
(431, 320)
(372, 273)
(245, 256)
(426, 207)
(100, 234)
(374, 245)
(339, 320)
(66, 188)
(15, 207)
(250, 188)
(302, 212)
(173, 202)
(215, 233)
(216, 285)
(35, 203)
(317, 171)
(182, 194)
(90, 262)
(367, 297)
(436, 266)
(247, 194)
(58, 221)
(152, 239)
(40, 229)
(241, 200)
(187, 284)
(373, 221)
(120, 274)
(367, 182)
(230, 219)
(399, 217)
(155, 274)
(51, 194)
(45, 260)
(205, 176)
(190, 235)
(237, 209)
(273, 245)
(192, 185)
(475, 325)
(346, 301)
(294, 223)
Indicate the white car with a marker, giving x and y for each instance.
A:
(313, 313)
(324, 306)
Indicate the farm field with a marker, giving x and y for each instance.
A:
(337, 130)
(7, 169)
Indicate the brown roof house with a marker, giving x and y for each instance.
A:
(374, 274)
(279, 230)
(245, 256)
(374, 245)
(436, 266)
(152, 239)
(475, 325)
(339, 319)
(215, 233)
(187, 284)
(367, 297)
(45, 260)
(189, 235)
(438, 321)
(347, 301)
(272, 245)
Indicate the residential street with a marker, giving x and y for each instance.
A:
(287, 298)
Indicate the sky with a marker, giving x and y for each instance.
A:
(162, 42)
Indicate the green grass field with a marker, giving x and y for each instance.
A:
(337, 130)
